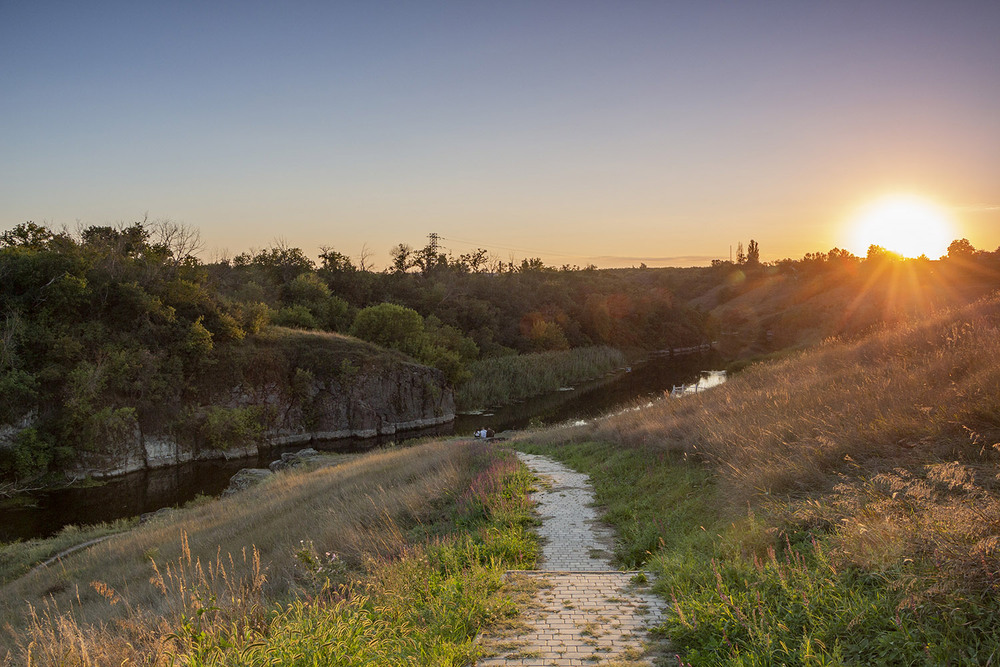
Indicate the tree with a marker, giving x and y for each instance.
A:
(27, 235)
(877, 254)
(753, 253)
(532, 264)
(474, 262)
(844, 256)
(364, 258)
(961, 249)
(306, 289)
(281, 261)
(741, 257)
(390, 325)
(336, 262)
(402, 257)
(180, 240)
(429, 258)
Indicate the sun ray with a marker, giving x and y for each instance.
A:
(905, 224)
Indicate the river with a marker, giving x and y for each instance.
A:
(137, 493)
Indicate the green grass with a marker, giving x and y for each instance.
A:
(760, 589)
(502, 380)
(17, 558)
(648, 510)
(424, 607)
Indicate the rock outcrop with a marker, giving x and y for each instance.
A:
(245, 478)
(392, 399)
(249, 476)
(293, 459)
(362, 401)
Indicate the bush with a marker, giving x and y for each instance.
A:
(333, 313)
(297, 317)
(232, 428)
(392, 326)
(19, 391)
(29, 456)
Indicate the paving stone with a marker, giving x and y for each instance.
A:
(590, 613)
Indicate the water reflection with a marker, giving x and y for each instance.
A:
(646, 379)
(149, 491)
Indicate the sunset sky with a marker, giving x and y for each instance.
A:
(582, 132)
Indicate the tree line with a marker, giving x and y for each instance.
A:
(109, 328)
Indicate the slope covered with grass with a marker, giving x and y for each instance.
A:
(390, 558)
(840, 506)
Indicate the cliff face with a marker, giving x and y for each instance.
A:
(382, 402)
(279, 394)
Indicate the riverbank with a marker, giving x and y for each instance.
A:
(500, 381)
(393, 554)
(147, 491)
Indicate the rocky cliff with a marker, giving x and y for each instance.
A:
(296, 388)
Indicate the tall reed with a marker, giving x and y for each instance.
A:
(502, 380)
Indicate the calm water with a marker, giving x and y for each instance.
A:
(141, 492)
(648, 379)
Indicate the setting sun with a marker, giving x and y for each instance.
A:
(905, 224)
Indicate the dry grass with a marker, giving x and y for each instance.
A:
(120, 599)
(803, 309)
(947, 514)
(889, 443)
(926, 390)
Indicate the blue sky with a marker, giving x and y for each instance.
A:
(605, 132)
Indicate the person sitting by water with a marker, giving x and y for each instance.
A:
(481, 433)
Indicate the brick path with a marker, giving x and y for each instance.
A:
(587, 612)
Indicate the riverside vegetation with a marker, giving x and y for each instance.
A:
(389, 558)
(113, 331)
(838, 506)
(502, 380)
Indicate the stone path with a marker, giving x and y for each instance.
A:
(586, 612)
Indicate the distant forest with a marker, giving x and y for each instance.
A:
(101, 327)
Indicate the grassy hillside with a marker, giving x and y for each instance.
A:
(840, 506)
(798, 304)
(386, 558)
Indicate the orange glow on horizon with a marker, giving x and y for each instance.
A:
(906, 224)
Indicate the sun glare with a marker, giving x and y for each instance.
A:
(904, 224)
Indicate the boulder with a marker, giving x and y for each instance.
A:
(300, 456)
(245, 478)
(149, 516)
(292, 459)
